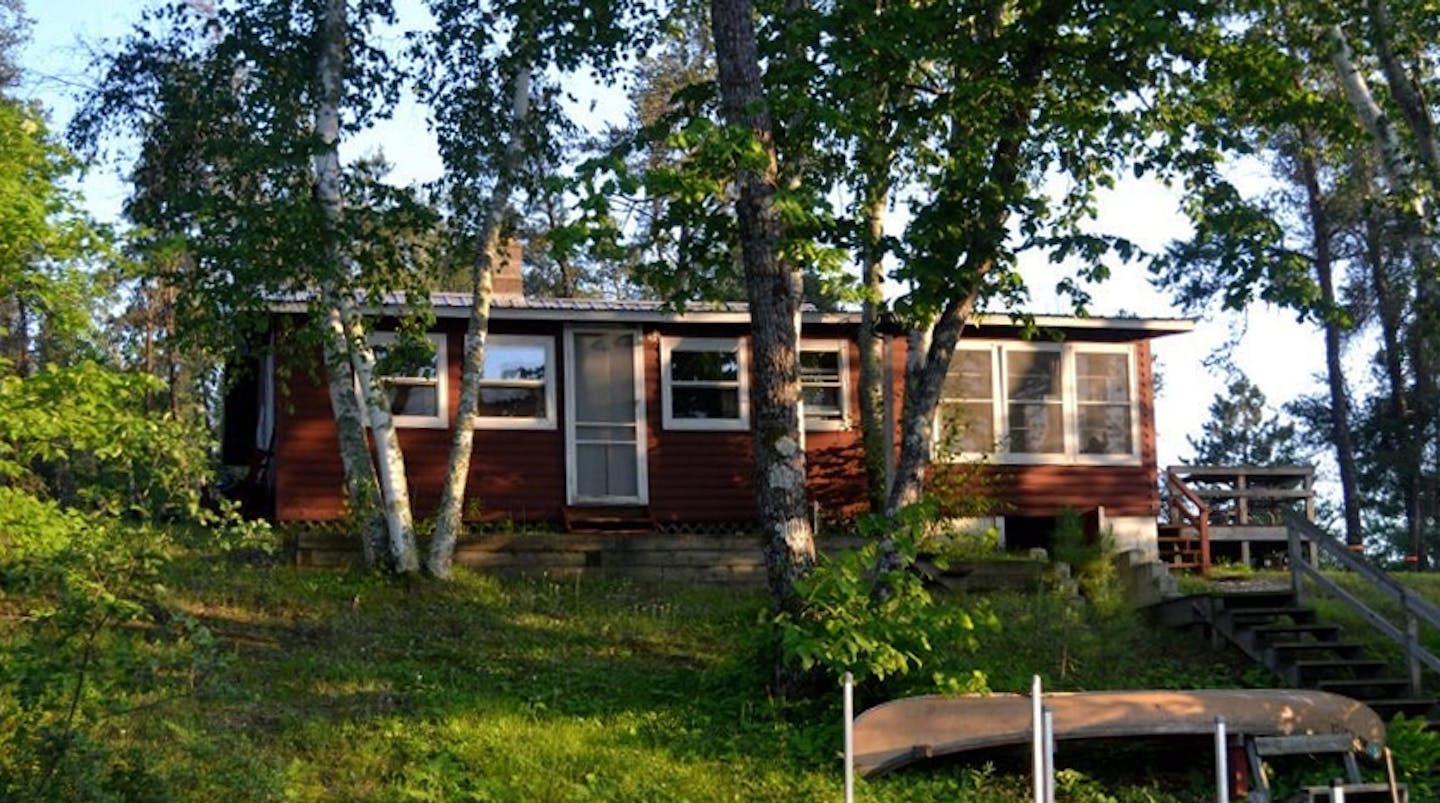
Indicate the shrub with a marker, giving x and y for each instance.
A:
(847, 627)
(93, 642)
(81, 435)
(1416, 748)
(1089, 561)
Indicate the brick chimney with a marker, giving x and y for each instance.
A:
(506, 278)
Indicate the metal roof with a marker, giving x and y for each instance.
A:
(457, 305)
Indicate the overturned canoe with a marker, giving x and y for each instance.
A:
(897, 733)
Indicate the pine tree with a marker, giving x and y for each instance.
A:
(1243, 431)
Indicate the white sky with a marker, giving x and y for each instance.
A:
(1280, 356)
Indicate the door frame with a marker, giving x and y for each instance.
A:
(642, 475)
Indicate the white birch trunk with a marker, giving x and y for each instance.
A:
(457, 472)
(360, 481)
(341, 308)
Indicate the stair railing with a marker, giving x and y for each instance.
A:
(1187, 508)
(1413, 607)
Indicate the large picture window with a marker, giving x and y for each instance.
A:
(517, 383)
(1040, 403)
(824, 384)
(413, 380)
(704, 383)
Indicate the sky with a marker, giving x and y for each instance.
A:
(1279, 355)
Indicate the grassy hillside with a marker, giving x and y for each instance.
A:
(343, 686)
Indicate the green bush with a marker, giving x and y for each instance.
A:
(1089, 560)
(1416, 748)
(81, 435)
(91, 641)
(846, 626)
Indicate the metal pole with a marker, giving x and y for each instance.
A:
(1337, 791)
(1222, 763)
(1037, 740)
(1048, 720)
(849, 684)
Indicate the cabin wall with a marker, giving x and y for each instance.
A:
(694, 476)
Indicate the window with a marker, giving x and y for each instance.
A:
(517, 383)
(1035, 412)
(1102, 398)
(412, 379)
(967, 403)
(704, 383)
(824, 384)
(1026, 403)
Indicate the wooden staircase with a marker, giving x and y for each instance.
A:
(1180, 548)
(1290, 640)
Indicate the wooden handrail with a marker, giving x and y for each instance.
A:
(1412, 606)
(1199, 518)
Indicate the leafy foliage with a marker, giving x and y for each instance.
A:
(81, 436)
(844, 626)
(95, 642)
(1417, 755)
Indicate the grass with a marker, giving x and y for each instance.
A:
(347, 686)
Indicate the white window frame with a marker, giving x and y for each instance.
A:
(1069, 417)
(1066, 395)
(669, 345)
(997, 409)
(441, 419)
(842, 348)
(1073, 400)
(549, 422)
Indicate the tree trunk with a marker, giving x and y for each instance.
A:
(1416, 232)
(774, 290)
(448, 518)
(872, 350)
(1321, 235)
(342, 312)
(1405, 440)
(360, 483)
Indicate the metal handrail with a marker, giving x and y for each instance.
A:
(1412, 606)
(1199, 518)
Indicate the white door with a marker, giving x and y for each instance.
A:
(605, 418)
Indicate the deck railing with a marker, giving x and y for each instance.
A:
(1189, 510)
(1414, 609)
(1241, 504)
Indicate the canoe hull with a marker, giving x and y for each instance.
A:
(897, 733)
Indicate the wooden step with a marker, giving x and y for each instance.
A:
(1388, 707)
(1352, 687)
(613, 520)
(1291, 649)
(1310, 668)
(1298, 615)
(1247, 600)
(1320, 632)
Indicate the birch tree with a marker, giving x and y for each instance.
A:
(239, 113)
(493, 75)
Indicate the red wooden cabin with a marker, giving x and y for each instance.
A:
(590, 404)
